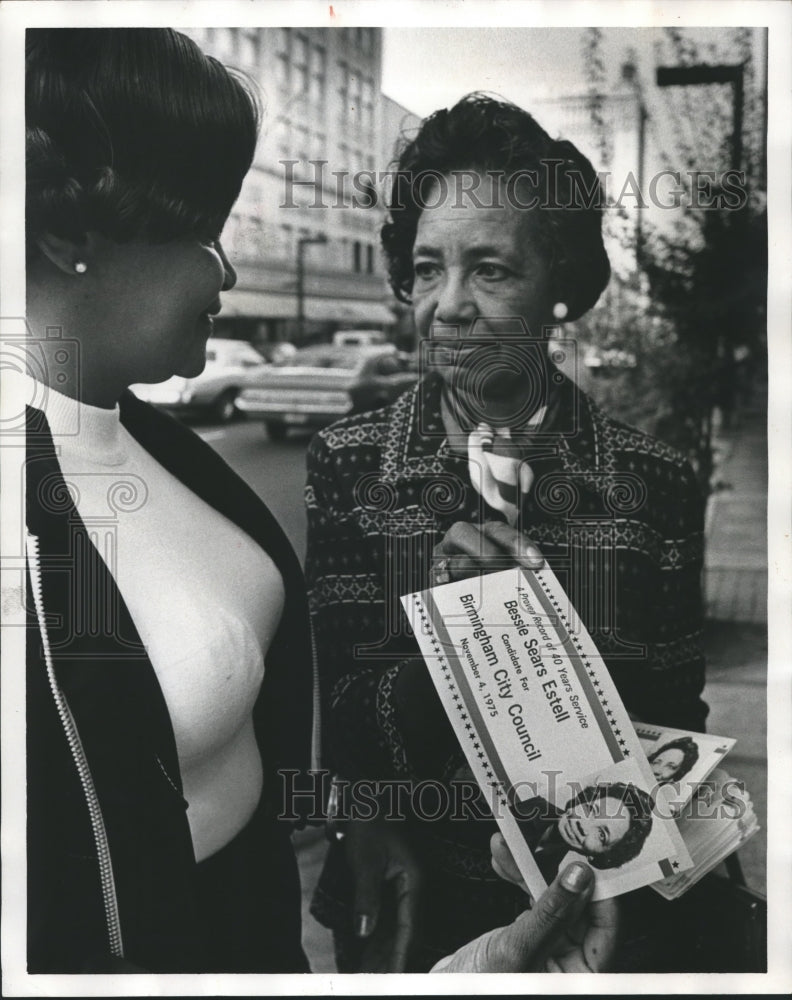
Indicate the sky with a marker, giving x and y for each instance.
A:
(427, 68)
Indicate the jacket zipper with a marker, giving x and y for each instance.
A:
(316, 732)
(110, 900)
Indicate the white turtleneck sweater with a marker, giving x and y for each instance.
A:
(205, 599)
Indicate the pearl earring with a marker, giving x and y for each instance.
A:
(80, 266)
(560, 310)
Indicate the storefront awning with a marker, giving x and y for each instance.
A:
(258, 305)
(347, 310)
(275, 305)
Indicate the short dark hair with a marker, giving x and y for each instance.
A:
(638, 804)
(481, 133)
(690, 754)
(132, 132)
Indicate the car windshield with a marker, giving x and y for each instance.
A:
(324, 357)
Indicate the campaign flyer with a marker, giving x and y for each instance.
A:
(544, 730)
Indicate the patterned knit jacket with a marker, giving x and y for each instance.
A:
(617, 515)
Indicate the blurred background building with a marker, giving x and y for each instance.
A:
(309, 202)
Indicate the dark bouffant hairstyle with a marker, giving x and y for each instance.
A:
(638, 804)
(133, 133)
(483, 134)
(690, 754)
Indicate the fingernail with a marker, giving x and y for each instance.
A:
(575, 877)
(363, 925)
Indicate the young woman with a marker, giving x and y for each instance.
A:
(167, 681)
(169, 673)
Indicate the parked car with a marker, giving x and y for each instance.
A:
(230, 366)
(602, 359)
(361, 337)
(323, 383)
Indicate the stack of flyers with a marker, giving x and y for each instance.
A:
(717, 820)
(554, 750)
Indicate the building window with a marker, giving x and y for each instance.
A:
(356, 251)
(369, 259)
(345, 157)
(282, 40)
(283, 138)
(231, 233)
(248, 46)
(225, 43)
(343, 87)
(367, 97)
(251, 194)
(353, 107)
(282, 71)
(300, 55)
(299, 80)
(319, 146)
(318, 75)
(287, 240)
(300, 65)
(319, 60)
(303, 143)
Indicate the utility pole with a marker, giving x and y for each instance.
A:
(686, 76)
(302, 243)
(629, 75)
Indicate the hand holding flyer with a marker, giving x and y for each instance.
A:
(544, 730)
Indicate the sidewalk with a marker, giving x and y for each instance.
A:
(735, 640)
(736, 553)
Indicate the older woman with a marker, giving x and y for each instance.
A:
(169, 674)
(494, 458)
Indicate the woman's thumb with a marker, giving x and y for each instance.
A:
(558, 907)
(368, 888)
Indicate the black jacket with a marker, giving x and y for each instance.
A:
(107, 827)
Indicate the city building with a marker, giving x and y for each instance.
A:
(612, 132)
(309, 203)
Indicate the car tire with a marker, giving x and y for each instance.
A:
(275, 431)
(224, 407)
